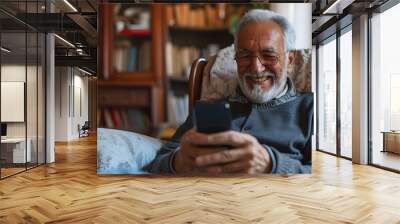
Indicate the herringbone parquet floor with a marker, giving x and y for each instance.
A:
(70, 191)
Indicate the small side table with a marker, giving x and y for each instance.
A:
(391, 141)
(16, 147)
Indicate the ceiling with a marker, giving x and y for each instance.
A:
(76, 24)
(57, 5)
(80, 27)
(329, 15)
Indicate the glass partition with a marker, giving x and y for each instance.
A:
(385, 89)
(327, 97)
(31, 98)
(41, 88)
(14, 153)
(22, 90)
(346, 94)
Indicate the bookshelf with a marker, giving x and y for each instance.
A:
(191, 31)
(131, 87)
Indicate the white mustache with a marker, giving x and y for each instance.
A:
(261, 75)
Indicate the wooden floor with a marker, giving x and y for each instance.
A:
(387, 159)
(10, 171)
(5, 172)
(70, 191)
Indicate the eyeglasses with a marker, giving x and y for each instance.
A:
(266, 58)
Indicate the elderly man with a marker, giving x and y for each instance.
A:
(272, 122)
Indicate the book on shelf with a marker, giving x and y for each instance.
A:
(169, 15)
(135, 32)
(116, 119)
(187, 15)
(179, 59)
(132, 58)
(107, 119)
(132, 66)
(125, 119)
(144, 57)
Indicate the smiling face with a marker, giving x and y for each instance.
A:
(261, 59)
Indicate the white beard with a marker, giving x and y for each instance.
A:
(257, 94)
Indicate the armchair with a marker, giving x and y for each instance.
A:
(123, 152)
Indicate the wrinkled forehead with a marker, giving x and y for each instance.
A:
(259, 36)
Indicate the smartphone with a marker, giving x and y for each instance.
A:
(212, 117)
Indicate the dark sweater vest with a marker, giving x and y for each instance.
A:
(284, 126)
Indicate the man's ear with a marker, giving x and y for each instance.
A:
(291, 57)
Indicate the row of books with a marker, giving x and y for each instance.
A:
(179, 59)
(124, 118)
(132, 58)
(178, 108)
(188, 15)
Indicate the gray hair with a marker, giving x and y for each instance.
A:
(260, 15)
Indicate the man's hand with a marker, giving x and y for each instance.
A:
(246, 156)
(185, 158)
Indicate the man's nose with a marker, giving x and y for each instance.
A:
(256, 66)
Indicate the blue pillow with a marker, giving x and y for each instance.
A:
(124, 152)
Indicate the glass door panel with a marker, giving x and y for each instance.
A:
(31, 99)
(346, 94)
(327, 97)
(13, 88)
(41, 99)
(385, 89)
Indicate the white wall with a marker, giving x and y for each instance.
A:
(50, 95)
(14, 73)
(70, 84)
(299, 14)
(33, 126)
(80, 112)
(17, 73)
(61, 114)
